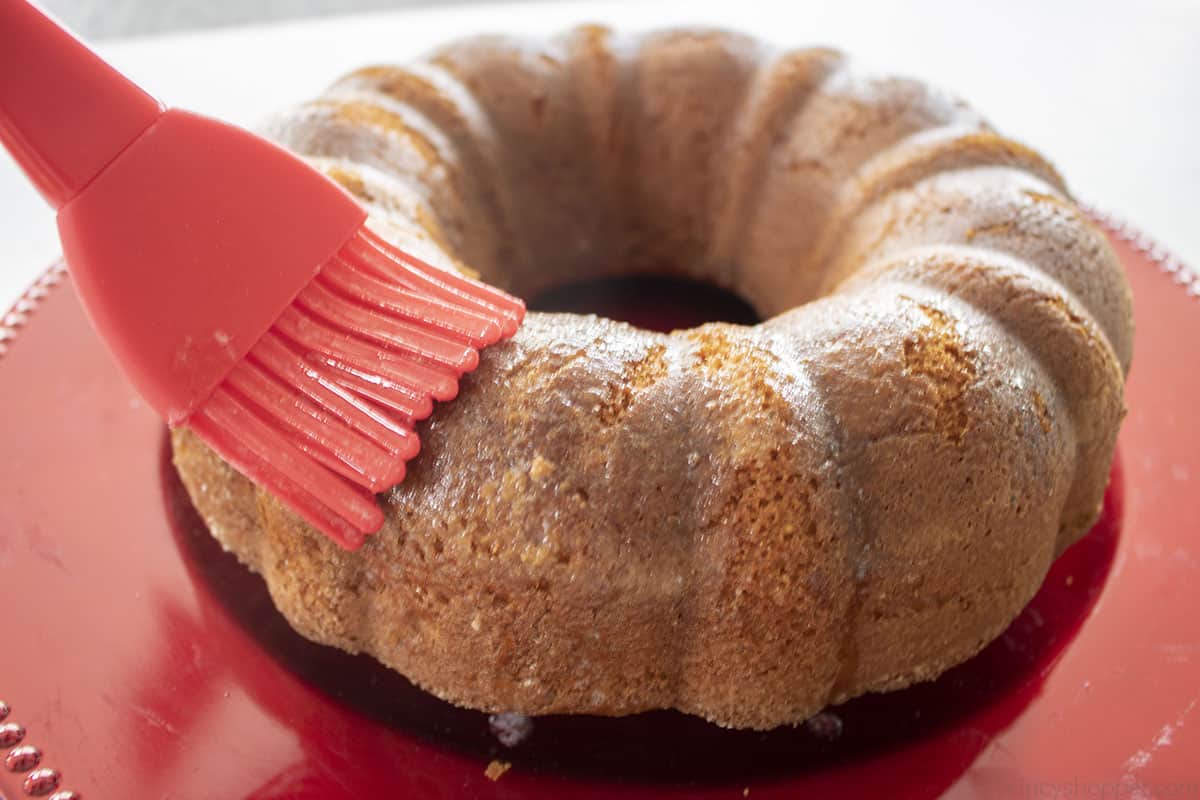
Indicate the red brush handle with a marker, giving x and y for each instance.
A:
(64, 113)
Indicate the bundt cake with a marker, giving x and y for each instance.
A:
(746, 523)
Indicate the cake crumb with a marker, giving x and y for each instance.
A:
(510, 727)
(541, 468)
(496, 768)
(826, 725)
(1043, 413)
(1070, 580)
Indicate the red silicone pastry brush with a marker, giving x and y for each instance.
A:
(237, 286)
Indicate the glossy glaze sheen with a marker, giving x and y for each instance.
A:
(137, 676)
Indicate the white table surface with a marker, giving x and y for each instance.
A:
(1111, 95)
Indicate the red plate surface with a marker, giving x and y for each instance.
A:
(143, 662)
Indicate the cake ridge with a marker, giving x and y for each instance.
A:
(1085, 401)
(727, 239)
(847, 484)
(450, 105)
(909, 161)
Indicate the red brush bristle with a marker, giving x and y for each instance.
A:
(322, 409)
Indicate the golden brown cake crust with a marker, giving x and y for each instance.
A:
(743, 523)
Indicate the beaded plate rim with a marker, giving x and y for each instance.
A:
(1165, 259)
(24, 758)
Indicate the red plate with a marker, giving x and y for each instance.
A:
(143, 662)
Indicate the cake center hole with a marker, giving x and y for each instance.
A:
(651, 302)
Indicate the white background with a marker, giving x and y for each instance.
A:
(109, 18)
(1111, 94)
